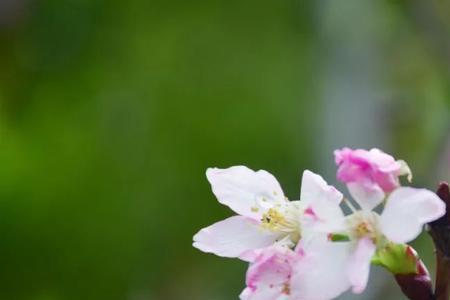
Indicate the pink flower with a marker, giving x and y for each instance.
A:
(265, 216)
(308, 273)
(369, 175)
(269, 274)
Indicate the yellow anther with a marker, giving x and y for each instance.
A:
(273, 220)
(362, 229)
(364, 225)
(254, 209)
(286, 289)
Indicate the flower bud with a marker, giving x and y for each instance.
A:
(418, 285)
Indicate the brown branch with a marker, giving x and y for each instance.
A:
(440, 232)
(442, 276)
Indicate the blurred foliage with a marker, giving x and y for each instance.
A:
(110, 112)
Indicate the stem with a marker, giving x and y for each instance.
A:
(442, 276)
(440, 232)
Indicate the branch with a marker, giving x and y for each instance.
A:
(440, 232)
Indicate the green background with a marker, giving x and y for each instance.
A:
(111, 111)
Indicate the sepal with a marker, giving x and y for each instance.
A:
(397, 258)
(408, 269)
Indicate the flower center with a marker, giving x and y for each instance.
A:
(274, 220)
(283, 219)
(364, 224)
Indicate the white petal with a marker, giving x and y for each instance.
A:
(367, 197)
(314, 187)
(246, 294)
(320, 273)
(407, 210)
(263, 293)
(321, 202)
(244, 190)
(359, 264)
(234, 236)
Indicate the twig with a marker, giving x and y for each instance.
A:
(440, 232)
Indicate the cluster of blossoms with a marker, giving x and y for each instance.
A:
(309, 249)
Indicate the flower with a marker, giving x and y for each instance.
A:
(269, 274)
(406, 211)
(279, 273)
(308, 249)
(265, 216)
(369, 175)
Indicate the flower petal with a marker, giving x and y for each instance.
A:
(320, 273)
(315, 187)
(369, 175)
(268, 277)
(234, 236)
(407, 210)
(245, 191)
(367, 197)
(263, 293)
(320, 202)
(359, 264)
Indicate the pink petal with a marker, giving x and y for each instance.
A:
(245, 191)
(407, 210)
(233, 237)
(268, 277)
(359, 264)
(385, 162)
(371, 170)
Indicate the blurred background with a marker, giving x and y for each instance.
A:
(111, 111)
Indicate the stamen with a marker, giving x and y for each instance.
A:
(364, 224)
(286, 289)
(274, 220)
(283, 219)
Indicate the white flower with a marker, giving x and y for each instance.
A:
(265, 216)
(406, 211)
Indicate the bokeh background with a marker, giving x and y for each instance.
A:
(110, 112)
